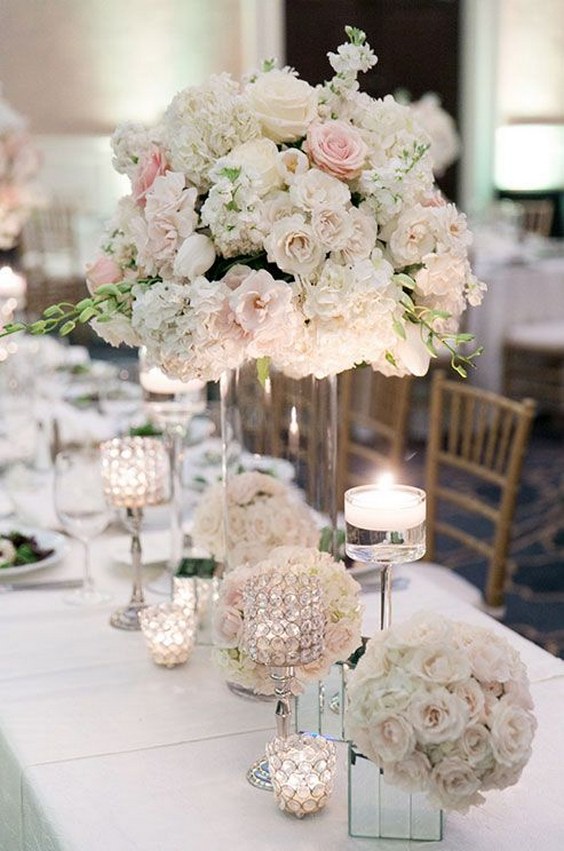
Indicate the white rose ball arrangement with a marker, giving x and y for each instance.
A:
(443, 708)
(263, 513)
(341, 598)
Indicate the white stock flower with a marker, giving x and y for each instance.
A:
(283, 104)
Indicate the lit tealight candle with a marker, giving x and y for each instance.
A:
(385, 508)
(169, 632)
(302, 770)
(154, 380)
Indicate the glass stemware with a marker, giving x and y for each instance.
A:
(82, 510)
(120, 398)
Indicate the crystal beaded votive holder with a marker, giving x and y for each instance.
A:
(378, 810)
(169, 631)
(284, 623)
(193, 593)
(135, 471)
(302, 771)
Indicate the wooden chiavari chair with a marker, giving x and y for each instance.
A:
(481, 438)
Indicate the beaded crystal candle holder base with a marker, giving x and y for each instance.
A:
(169, 632)
(302, 769)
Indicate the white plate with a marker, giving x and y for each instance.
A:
(45, 538)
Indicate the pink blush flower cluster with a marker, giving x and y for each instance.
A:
(341, 597)
(280, 220)
(443, 708)
(19, 164)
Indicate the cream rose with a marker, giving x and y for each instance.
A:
(391, 737)
(413, 236)
(440, 664)
(512, 730)
(293, 246)
(227, 626)
(284, 105)
(332, 227)
(455, 785)
(437, 716)
(337, 148)
(410, 773)
(362, 238)
(259, 158)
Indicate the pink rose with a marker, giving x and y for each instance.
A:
(151, 165)
(104, 270)
(337, 148)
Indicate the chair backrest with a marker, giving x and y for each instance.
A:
(538, 216)
(51, 257)
(374, 415)
(475, 451)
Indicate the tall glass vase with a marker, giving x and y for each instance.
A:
(286, 428)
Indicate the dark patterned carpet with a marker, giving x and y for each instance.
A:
(535, 583)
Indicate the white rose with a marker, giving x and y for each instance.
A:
(317, 189)
(227, 626)
(471, 693)
(342, 639)
(475, 744)
(259, 158)
(284, 105)
(391, 737)
(503, 776)
(440, 663)
(437, 716)
(293, 247)
(512, 731)
(454, 785)
(195, 257)
(332, 227)
(410, 774)
(490, 660)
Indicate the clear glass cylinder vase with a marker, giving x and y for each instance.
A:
(286, 428)
(378, 810)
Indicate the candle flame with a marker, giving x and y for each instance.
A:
(385, 481)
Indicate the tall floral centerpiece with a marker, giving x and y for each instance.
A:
(19, 163)
(275, 221)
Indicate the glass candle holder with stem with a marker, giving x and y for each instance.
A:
(136, 474)
(82, 510)
(171, 405)
(385, 525)
(283, 626)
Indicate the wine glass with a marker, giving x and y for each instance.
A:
(120, 398)
(82, 509)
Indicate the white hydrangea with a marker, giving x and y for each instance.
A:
(204, 123)
(130, 141)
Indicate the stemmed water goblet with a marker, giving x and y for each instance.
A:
(385, 525)
(82, 510)
(171, 405)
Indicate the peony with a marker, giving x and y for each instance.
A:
(337, 148)
(283, 104)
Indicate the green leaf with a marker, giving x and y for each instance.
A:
(230, 173)
(391, 359)
(263, 370)
(404, 280)
(399, 329)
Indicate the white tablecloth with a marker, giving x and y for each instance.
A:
(100, 750)
(530, 292)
